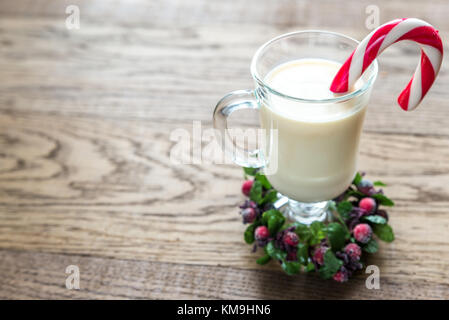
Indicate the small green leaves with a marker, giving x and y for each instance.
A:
(291, 267)
(274, 220)
(303, 253)
(261, 192)
(250, 171)
(334, 235)
(371, 247)
(358, 177)
(270, 197)
(383, 199)
(255, 193)
(384, 232)
(311, 235)
(344, 208)
(303, 232)
(249, 233)
(379, 184)
(337, 236)
(375, 219)
(331, 265)
(318, 232)
(310, 267)
(263, 180)
(274, 252)
(263, 260)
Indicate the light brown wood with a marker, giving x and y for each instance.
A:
(85, 175)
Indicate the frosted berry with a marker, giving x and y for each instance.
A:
(368, 205)
(362, 232)
(291, 239)
(248, 215)
(261, 233)
(341, 275)
(366, 186)
(353, 251)
(318, 255)
(246, 187)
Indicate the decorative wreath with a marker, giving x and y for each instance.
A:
(334, 249)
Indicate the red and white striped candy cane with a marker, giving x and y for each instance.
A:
(377, 41)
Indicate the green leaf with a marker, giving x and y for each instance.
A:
(291, 267)
(371, 247)
(303, 232)
(331, 265)
(275, 222)
(270, 197)
(303, 253)
(249, 233)
(263, 260)
(355, 193)
(344, 208)
(337, 236)
(310, 267)
(318, 232)
(384, 232)
(250, 171)
(274, 219)
(383, 199)
(358, 177)
(255, 194)
(263, 180)
(274, 252)
(379, 184)
(375, 219)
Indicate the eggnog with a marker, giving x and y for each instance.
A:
(317, 143)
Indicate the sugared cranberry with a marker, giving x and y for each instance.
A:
(248, 215)
(362, 232)
(261, 233)
(291, 239)
(365, 186)
(318, 255)
(246, 187)
(367, 204)
(341, 275)
(354, 251)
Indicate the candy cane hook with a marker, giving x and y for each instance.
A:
(381, 38)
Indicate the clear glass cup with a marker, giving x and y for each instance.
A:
(309, 156)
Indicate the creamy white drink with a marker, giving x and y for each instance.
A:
(317, 142)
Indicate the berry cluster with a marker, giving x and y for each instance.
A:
(333, 250)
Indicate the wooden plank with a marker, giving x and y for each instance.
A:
(28, 275)
(78, 186)
(156, 74)
(86, 120)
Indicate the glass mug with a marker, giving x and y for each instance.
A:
(310, 154)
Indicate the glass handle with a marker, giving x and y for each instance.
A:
(236, 100)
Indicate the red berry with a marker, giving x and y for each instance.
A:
(261, 233)
(246, 187)
(354, 251)
(318, 255)
(367, 204)
(341, 276)
(248, 215)
(362, 232)
(291, 239)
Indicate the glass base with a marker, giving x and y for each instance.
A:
(302, 212)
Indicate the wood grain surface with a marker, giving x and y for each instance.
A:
(85, 174)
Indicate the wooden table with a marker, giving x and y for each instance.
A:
(85, 176)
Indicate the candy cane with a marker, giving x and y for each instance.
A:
(381, 38)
